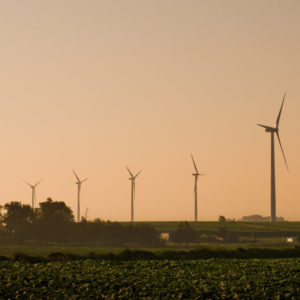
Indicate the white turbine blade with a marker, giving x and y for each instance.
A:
(194, 164)
(282, 151)
(137, 174)
(28, 183)
(266, 127)
(76, 175)
(38, 183)
(279, 115)
(130, 172)
(84, 180)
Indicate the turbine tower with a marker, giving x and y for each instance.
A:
(33, 186)
(132, 178)
(273, 130)
(196, 175)
(79, 182)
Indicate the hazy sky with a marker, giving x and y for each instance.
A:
(98, 85)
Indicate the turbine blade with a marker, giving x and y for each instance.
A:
(84, 180)
(137, 174)
(38, 183)
(194, 164)
(28, 183)
(282, 151)
(279, 115)
(76, 175)
(265, 126)
(130, 172)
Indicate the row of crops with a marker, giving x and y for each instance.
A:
(194, 279)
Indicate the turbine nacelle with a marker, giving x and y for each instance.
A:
(78, 180)
(131, 174)
(33, 186)
(276, 130)
(269, 128)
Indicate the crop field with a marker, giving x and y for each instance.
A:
(230, 226)
(167, 279)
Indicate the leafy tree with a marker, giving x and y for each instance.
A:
(54, 221)
(184, 234)
(222, 219)
(259, 218)
(1, 216)
(18, 219)
(55, 212)
(143, 235)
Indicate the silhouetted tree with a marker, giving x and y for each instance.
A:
(227, 236)
(54, 221)
(143, 235)
(1, 216)
(18, 220)
(222, 219)
(184, 234)
(259, 218)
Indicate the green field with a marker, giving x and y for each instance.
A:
(231, 226)
(200, 279)
(266, 234)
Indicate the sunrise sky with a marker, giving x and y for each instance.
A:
(98, 85)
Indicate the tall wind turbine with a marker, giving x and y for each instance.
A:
(273, 130)
(33, 186)
(132, 178)
(79, 182)
(196, 175)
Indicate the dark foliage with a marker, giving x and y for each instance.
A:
(53, 223)
(200, 253)
(184, 234)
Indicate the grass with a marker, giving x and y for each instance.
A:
(231, 226)
(266, 234)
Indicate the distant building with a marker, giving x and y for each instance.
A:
(165, 236)
(292, 239)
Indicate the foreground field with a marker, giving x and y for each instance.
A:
(201, 279)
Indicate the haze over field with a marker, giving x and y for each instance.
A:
(100, 85)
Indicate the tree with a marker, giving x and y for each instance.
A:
(54, 221)
(143, 235)
(18, 219)
(259, 218)
(55, 212)
(1, 216)
(222, 219)
(184, 234)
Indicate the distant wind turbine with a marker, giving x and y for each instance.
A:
(196, 175)
(33, 186)
(273, 130)
(79, 182)
(132, 178)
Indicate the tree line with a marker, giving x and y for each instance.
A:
(53, 222)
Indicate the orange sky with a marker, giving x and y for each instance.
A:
(98, 85)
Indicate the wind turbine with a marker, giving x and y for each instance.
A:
(79, 182)
(33, 186)
(273, 130)
(132, 178)
(196, 175)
